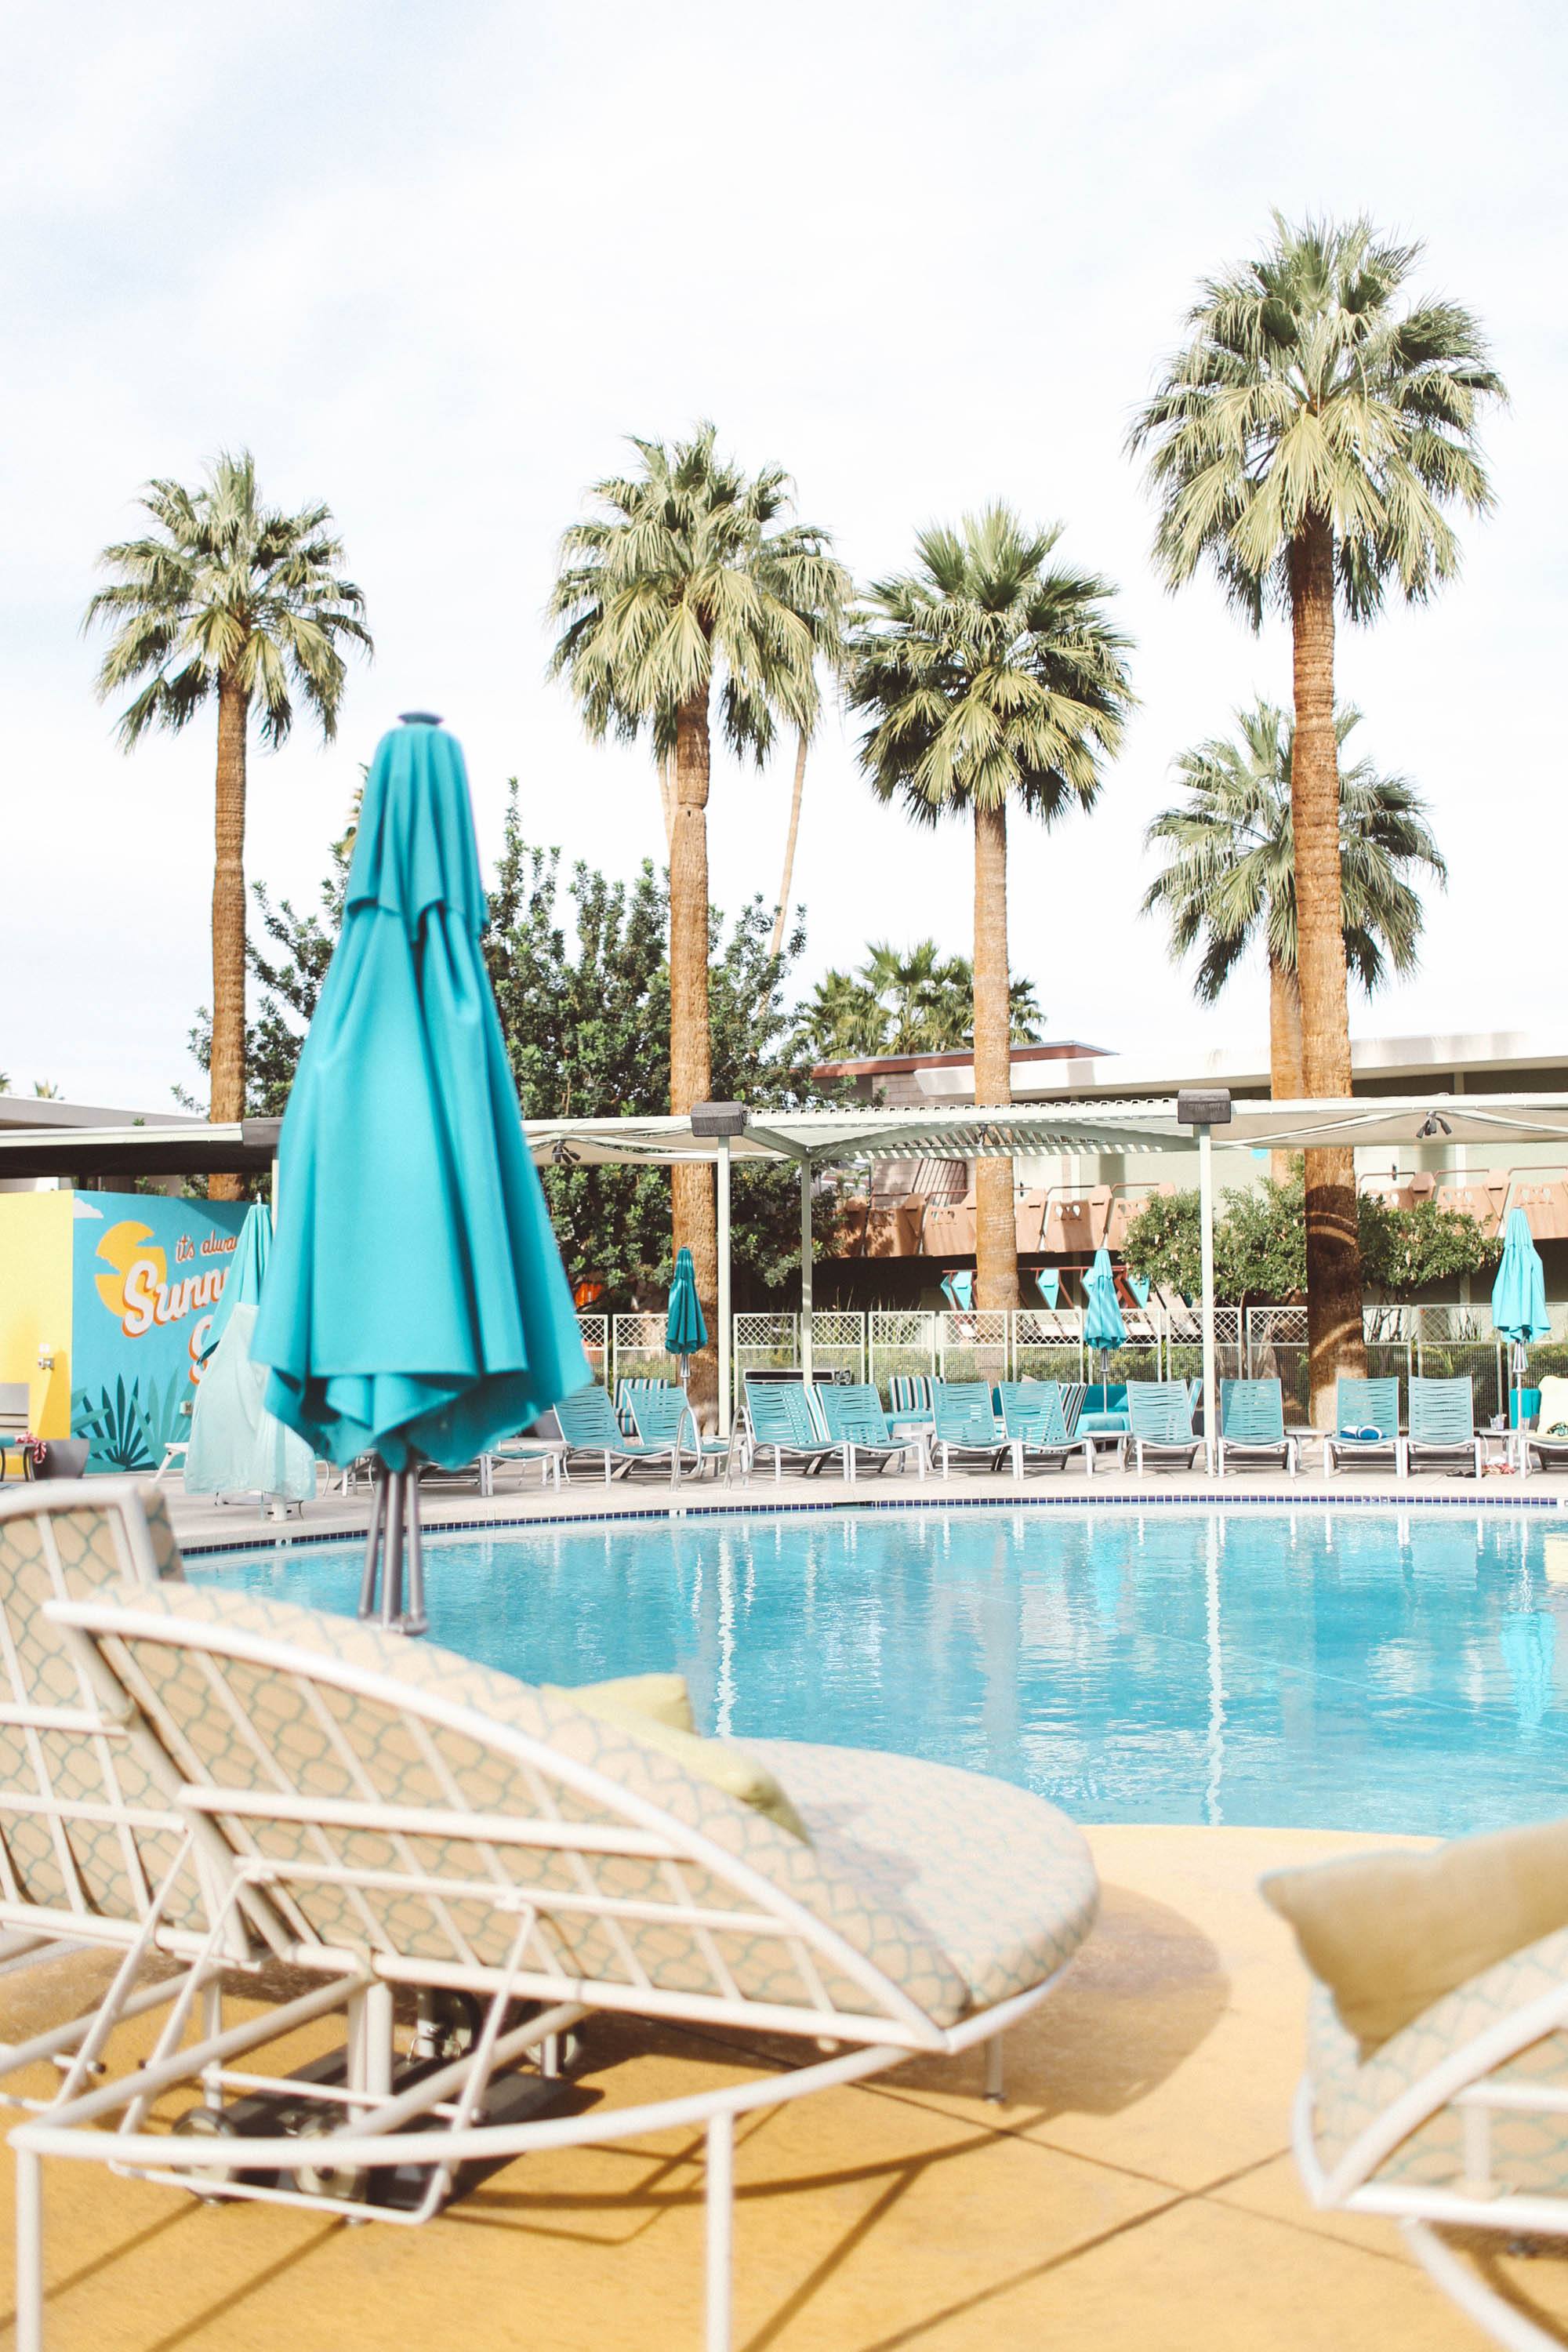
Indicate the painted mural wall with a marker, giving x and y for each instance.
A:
(147, 1272)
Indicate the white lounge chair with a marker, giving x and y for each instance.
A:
(1455, 2123)
(93, 1847)
(412, 1818)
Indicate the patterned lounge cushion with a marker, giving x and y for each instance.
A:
(78, 1551)
(344, 1745)
(1000, 1879)
(1352, 2097)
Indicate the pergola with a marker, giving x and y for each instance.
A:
(811, 1141)
(815, 1139)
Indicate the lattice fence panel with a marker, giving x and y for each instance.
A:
(975, 1346)
(1047, 1344)
(763, 1343)
(595, 1331)
(902, 1342)
(838, 1342)
(637, 1351)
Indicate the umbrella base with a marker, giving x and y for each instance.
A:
(395, 1532)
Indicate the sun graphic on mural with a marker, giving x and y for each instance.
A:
(123, 1246)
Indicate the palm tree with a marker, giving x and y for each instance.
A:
(1305, 445)
(907, 1001)
(1231, 878)
(228, 598)
(992, 676)
(687, 585)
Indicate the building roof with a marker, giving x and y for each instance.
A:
(1489, 1058)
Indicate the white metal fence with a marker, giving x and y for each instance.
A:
(1047, 1343)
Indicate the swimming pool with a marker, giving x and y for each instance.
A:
(1358, 1669)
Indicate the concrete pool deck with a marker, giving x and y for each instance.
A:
(1135, 2190)
(201, 1522)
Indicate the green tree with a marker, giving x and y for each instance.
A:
(1260, 1243)
(230, 598)
(992, 676)
(1305, 445)
(686, 592)
(1230, 881)
(582, 987)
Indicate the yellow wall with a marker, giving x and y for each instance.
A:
(36, 1302)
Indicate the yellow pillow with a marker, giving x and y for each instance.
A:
(665, 1697)
(657, 1709)
(1390, 1934)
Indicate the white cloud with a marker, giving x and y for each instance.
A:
(431, 265)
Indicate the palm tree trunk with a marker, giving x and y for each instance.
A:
(996, 1228)
(691, 1047)
(1284, 1052)
(1333, 1258)
(775, 945)
(227, 1071)
(666, 765)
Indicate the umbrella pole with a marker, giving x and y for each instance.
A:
(392, 1573)
(373, 1541)
(415, 1621)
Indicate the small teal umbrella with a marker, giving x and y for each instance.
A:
(685, 1332)
(237, 1446)
(1519, 1296)
(1102, 1325)
(416, 1306)
(247, 1273)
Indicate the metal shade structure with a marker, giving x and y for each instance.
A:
(858, 1134)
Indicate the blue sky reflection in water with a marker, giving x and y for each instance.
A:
(1356, 1670)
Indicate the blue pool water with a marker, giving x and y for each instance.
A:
(1350, 1670)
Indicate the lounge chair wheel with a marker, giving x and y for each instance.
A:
(449, 2024)
(345, 2184)
(208, 2123)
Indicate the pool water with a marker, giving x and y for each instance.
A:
(1353, 1670)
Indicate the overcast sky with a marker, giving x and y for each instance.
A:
(432, 264)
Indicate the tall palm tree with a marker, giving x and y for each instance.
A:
(1231, 878)
(686, 587)
(230, 598)
(992, 676)
(1305, 445)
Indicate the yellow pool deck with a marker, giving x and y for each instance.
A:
(1134, 2191)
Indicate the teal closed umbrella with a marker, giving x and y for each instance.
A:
(416, 1307)
(1518, 1296)
(685, 1332)
(1102, 1325)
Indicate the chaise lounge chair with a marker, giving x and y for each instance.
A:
(1369, 1406)
(88, 1832)
(1437, 2079)
(1252, 1425)
(779, 1419)
(1160, 1424)
(662, 1416)
(853, 1417)
(1443, 1424)
(1032, 1412)
(398, 1815)
(587, 1421)
(965, 1427)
